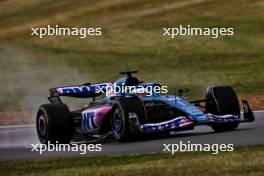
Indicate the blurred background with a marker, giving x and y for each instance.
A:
(131, 40)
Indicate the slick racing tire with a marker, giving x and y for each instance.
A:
(54, 124)
(120, 116)
(222, 100)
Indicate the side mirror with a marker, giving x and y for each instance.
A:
(181, 91)
(86, 84)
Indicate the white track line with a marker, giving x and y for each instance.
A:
(258, 111)
(17, 126)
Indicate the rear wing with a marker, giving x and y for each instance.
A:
(78, 91)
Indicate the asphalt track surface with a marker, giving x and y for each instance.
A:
(15, 141)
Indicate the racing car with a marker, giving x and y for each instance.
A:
(128, 114)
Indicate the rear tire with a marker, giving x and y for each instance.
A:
(54, 124)
(222, 100)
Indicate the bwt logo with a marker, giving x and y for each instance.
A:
(97, 88)
(88, 120)
(84, 89)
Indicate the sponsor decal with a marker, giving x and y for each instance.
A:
(95, 88)
(174, 123)
(88, 121)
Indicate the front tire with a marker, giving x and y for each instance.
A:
(222, 100)
(54, 124)
(120, 116)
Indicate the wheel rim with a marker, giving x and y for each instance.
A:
(42, 127)
(117, 121)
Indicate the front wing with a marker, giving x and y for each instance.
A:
(184, 122)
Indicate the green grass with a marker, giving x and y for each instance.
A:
(132, 39)
(243, 161)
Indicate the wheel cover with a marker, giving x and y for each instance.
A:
(42, 126)
(117, 121)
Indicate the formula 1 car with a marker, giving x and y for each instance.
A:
(129, 114)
